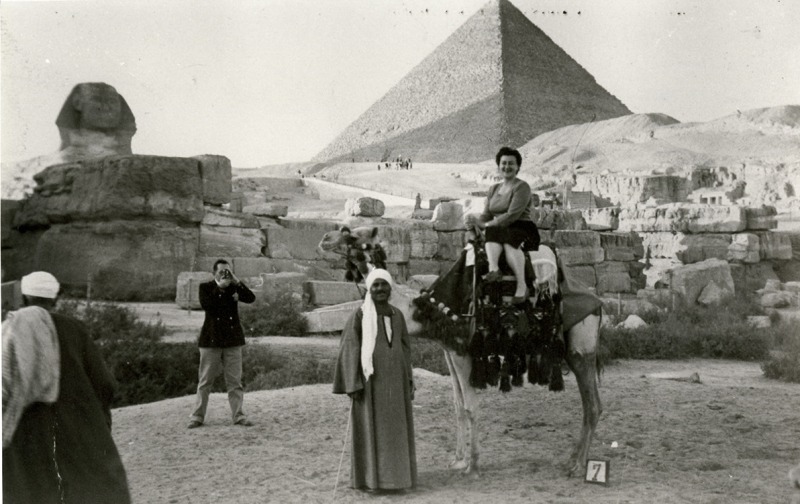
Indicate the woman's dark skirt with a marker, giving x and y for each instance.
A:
(518, 233)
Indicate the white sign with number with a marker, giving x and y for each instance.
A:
(597, 471)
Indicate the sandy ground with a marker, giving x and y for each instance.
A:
(730, 439)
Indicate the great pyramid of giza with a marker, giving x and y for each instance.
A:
(497, 80)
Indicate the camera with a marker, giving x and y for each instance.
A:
(226, 273)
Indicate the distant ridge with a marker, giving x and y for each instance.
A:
(497, 80)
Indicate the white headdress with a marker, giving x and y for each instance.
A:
(40, 284)
(369, 322)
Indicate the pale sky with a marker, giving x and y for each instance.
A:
(274, 81)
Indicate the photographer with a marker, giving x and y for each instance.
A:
(221, 341)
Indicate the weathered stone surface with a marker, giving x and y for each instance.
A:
(763, 218)
(759, 321)
(751, 277)
(267, 209)
(220, 217)
(215, 172)
(396, 241)
(448, 216)
(399, 272)
(297, 243)
(553, 219)
(116, 187)
(713, 295)
(424, 242)
(228, 241)
(419, 282)
(578, 247)
(636, 272)
(744, 247)
(270, 282)
(658, 297)
(254, 198)
(622, 305)
(633, 322)
(314, 226)
(314, 270)
(450, 245)
(690, 280)
(585, 275)
(126, 260)
(364, 207)
(683, 218)
(330, 318)
(612, 276)
(792, 287)
(202, 263)
(11, 296)
(686, 248)
(658, 272)
(601, 219)
(330, 293)
(8, 209)
(188, 288)
(775, 245)
(788, 271)
(237, 202)
(622, 246)
(779, 299)
(428, 267)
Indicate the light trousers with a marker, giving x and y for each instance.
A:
(214, 361)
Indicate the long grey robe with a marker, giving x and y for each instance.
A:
(383, 451)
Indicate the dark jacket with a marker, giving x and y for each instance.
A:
(63, 452)
(221, 327)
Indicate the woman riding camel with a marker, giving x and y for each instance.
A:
(507, 222)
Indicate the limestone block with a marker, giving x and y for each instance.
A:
(308, 225)
(422, 214)
(364, 207)
(689, 280)
(424, 242)
(585, 275)
(788, 271)
(399, 272)
(297, 243)
(11, 296)
(253, 198)
(751, 277)
(271, 282)
(773, 285)
(612, 276)
(448, 216)
(627, 304)
(330, 293)
(658, 272)
(792, 287)
(202, 263)
(633, 322)
(230, 241)
(779, 299)
(237, 202)
(396, 241)
(683, 218)
(126, 260)
(622, 246)
(428, 267)
(314, 270)
(450, 245)
(759, 321)
(713, 295)
(330, 318)
(763, 218)
(215, 172)
(220, 217)
(113, 188)
(686, 248)
(775, 245)
(578, 247)
(794, 239)
(553, 219)
(188, 288)
(267, 209)
(8, 208)
(744, 247)
(601, 219)
(419, 282)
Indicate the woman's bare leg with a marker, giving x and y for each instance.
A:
(516, 261)
(493, 251)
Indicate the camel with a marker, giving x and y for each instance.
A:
(452, 330)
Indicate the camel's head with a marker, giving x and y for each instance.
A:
(343, 239)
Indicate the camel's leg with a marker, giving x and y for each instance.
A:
(462, 365)
(582, 359)
(459, 462)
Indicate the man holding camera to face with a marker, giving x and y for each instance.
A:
(221, 341)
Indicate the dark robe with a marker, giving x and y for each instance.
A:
(70, 439)
(383, 451)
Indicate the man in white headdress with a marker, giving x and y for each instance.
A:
(57, 392)
(374, 369)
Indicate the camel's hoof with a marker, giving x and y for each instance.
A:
(458, 464)
(574, 470)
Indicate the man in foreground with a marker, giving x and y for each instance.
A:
(57, 391)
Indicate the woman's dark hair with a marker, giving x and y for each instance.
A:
(508, 151)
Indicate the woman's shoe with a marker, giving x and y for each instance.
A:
(493, 276)
(520, 299)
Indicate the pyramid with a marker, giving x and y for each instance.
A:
(497, 80)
